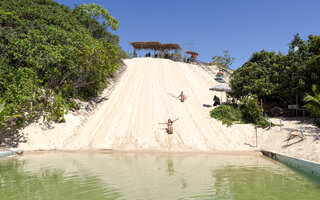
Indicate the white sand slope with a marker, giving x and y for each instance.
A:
(144, 97)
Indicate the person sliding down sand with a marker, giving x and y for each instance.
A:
(182, 97)
(169, 124)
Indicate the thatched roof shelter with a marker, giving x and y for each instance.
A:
(170, 46)
(191, 52)
(154, 46)
(146, 45)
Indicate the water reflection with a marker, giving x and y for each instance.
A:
(150, 176)
(170, 169)
(261, 182)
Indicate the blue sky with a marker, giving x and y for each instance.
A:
(240, 26)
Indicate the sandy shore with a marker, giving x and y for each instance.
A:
(144, 97)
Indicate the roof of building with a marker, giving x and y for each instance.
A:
(154, 45)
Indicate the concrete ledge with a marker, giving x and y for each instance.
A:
(10, 153)
(302, 164)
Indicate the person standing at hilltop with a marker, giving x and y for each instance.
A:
(166, 54)
(182, 97)
(134, 54)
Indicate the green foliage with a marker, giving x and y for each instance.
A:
(223, 61)
(248, 111)
(96, 11)
(278, 77)
(51, 53)
(313, 102)
(251, 111)
(255, 76)
(176, 56)
(3, 117)
(228, 114)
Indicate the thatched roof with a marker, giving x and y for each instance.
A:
(170, 46)
(154, 45)
(191, 52)
(146, 45)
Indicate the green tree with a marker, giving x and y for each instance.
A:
(51, 54)
(277, 78)
(98, 12)
(223, 61)
(255, 76)
(176, 56)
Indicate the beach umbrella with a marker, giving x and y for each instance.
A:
(221, 88)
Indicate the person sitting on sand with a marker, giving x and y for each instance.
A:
(182, 97)
(169, 124)
(216, 100)
(220, 73)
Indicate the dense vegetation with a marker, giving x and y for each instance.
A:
(228, 114)
(51, 54)
(280, 79)
(247, 111)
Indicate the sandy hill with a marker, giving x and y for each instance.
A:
(144, 97)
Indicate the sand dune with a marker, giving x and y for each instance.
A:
(146, 95)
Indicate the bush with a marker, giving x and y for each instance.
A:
(227, 114)
(51, 54)
(248, 111)
(252, 112)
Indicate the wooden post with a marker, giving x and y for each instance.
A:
(262, 107)
(269, 122)
(256, 136)
(297, 104)
(301, 131)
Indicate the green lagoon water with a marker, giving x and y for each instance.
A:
(151, 176)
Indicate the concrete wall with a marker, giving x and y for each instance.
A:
(9, 153)
(302, 164)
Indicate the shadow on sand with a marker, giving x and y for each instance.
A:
(207, 105)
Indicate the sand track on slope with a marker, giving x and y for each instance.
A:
(144, 97)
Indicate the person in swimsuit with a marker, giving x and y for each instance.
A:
(182, 97)
(169, 124)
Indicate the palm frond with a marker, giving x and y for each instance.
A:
(313, 102)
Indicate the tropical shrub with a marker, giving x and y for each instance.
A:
(228, 114)
(252, 112)
(51, 54)
(313, 102)
(248, 111)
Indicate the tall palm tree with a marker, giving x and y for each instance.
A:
(313, 102)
